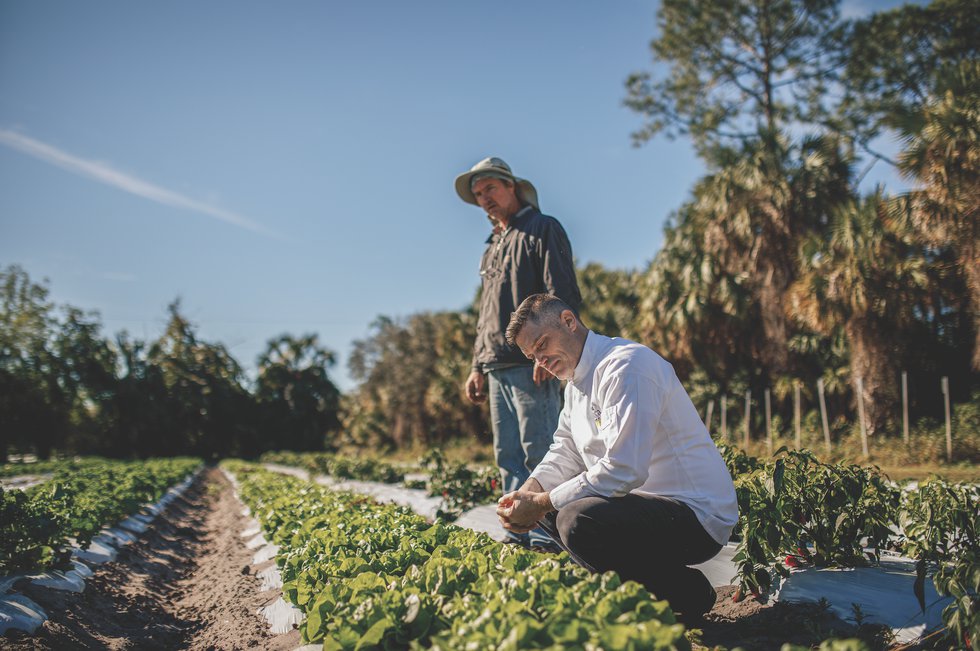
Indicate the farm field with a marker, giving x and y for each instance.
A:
(291, 292)
(369, 575)
(180, 586)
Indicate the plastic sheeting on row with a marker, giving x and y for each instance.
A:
(281, 615)
(17, 612)
(23, 482)
(884, 595)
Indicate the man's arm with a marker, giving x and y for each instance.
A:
(628, 426)
(520, 510)
(562, 459)
(558, 266)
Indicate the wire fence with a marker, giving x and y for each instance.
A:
(745, 430)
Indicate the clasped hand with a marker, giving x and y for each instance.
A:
(520, 511)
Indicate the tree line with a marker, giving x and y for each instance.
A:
(65, 387)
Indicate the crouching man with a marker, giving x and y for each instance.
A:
(633, 482)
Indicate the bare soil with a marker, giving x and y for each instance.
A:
(187, 583)
(753, 624)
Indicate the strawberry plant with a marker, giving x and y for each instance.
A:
(31, 533)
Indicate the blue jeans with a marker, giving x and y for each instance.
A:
(524, 417)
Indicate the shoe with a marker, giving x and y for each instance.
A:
(693, 617)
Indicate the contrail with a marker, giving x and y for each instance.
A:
(103, 173)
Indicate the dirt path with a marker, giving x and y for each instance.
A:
(185, 584)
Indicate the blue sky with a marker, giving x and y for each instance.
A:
(288, 167)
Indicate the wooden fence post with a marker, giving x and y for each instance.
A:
(724, 417)
(864, 429)
(823, 415)
(768, 424)
(796, 414)
(905, 407)
(748, 408)
(949, 429)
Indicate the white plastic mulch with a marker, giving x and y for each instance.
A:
(281, 615)
(883, 594)
(23, 482)
(18, 612)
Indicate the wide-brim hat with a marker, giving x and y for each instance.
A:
(496, 168)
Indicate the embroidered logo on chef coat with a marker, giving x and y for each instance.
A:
(597, 415)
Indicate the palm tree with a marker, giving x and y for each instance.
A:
(863, 278)
(690, 310)
(758, 206)
(942, 155)
(299, 402)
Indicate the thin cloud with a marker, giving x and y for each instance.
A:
(103, 173)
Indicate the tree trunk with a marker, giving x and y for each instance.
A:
(970, 261)
(872, 362)
(772, 292)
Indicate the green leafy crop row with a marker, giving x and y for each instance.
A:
(379, 576)
(459, 486)
(339, 466)
(37, 526)
(46, 467)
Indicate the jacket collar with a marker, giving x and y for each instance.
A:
(520, 214)
(592, 353)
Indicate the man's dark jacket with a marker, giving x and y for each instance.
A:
(532, 256)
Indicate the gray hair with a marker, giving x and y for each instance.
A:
(536, 308)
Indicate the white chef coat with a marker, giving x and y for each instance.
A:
(628, 426)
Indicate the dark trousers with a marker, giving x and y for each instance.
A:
(649, 540)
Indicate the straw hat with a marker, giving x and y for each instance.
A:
(496, 168)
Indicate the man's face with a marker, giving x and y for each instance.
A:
(497, 197)
(552, 346)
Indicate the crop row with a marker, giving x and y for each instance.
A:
(47, 467)
(460, 486)
(38, 526)
(367, 575)
(795, 511)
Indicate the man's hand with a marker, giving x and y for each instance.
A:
(540, 374)
(520, 511)
(475, 388)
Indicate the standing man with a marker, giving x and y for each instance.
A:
(527, 253)
(632, 483)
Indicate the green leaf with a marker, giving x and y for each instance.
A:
(918, 588)
(374, 635)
